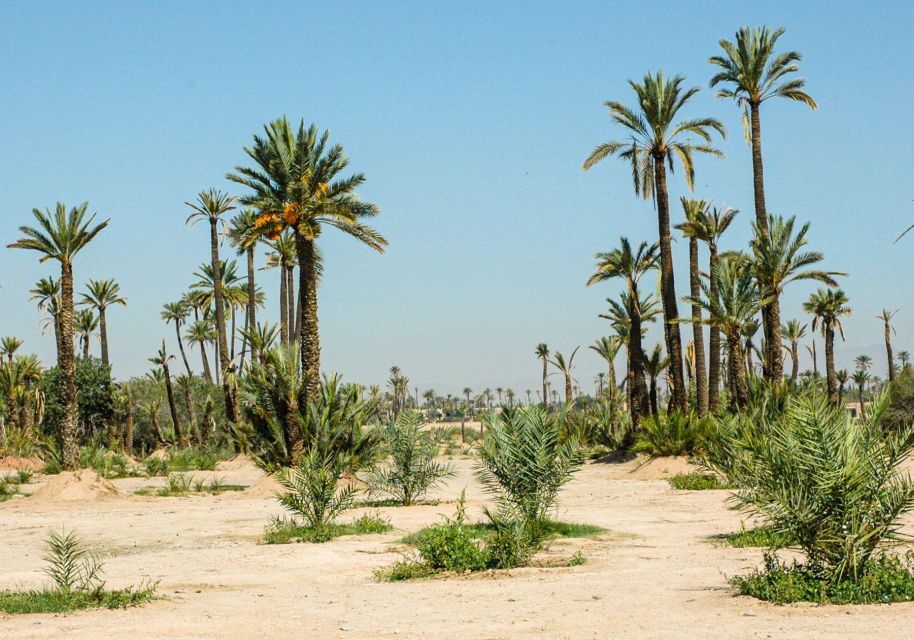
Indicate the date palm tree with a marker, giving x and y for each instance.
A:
(655, 142)
(863, 362)
(695, 228)
(9, 346)
(47, 294)
(60, 235)
(211, 206)
(861, 378)
(736, 304)
(177, 312)
(793, 332)
(201, 332)
(750, 74)
(565, 366)
(607, 348)
(779, 259)
(886, 317)
(86, 324)
(542, 352)
(630, 266)
(99, 295)
(261, 339)
(842, 376)
(296, 182)
(161, 360)
(905, 358)
(828, 306)
(244, 237)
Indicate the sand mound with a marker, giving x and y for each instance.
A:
(75, 486)
(15, 463)
(159, 454)
(238, 463)
(264, 487)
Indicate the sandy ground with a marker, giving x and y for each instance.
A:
(656, 575)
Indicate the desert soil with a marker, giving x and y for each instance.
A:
(655, 575)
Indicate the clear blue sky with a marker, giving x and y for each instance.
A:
(471, 121)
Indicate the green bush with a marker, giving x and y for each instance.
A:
(451, 545)
(758, 537)
(831, 486)
(412, 470)
(883, 579)
(601, 423)
(698, 481)
(312, 491)
(285, 530)
(673, 434)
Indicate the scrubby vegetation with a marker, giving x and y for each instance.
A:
(77, 574)
(698, 481)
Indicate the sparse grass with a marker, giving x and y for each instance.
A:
(286, 531)
(180, 484)
(54, 601)
(757, 537)
(885, 579)
(698, 481)
(404, 570)
(550, 528)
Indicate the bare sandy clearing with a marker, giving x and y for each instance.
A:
(655, 576)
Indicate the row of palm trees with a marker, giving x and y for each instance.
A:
(750, 72)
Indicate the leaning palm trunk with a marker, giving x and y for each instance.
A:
(701, 382)
(668, 288)
(69, 434)
(310, 337)
(713, 342)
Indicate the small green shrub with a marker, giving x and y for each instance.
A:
(78, 582)
(673, 434)
(286, 530)
(156, 466)
(413, 469)
(451, 545)
(884, 579)
(698, 481)
(758, 537)
(577, 559)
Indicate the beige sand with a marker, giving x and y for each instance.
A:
(13, 463)
(655, 577)
(74, 486)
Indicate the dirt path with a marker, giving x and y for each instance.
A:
(654, 576)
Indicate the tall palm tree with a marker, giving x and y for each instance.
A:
(779, 259)
(655, 142)
(905, 358)
(695, 228)
(793, 332)
(607, 348)
(60, 235)
(542, 352)
(620, 318)
(210, 206)
(886, 317)
(750, 74)
(177, 313)
(47, 294)
(244, 237)
(860, 378)
(161, 359)
(863, 362)
(296, 183)
(565, 366)
(100, 295)
(86, 323)
(828, 306)
(736, 304)
(655, 365)
(629, 266)
(201, 332)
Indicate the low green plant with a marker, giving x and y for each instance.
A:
(451, 545)
(758, 537)
(78, 582)
(312, 493)
(698, 481)
(577, 559)
(156, 466)
(883, 579)
(412, 470)
(288, 530)
(673, 434)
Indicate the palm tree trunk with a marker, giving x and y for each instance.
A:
(310, 333)
(652, 393)
(668, 287)
(831, 379)
(775, 356)
(221, 338)
(611, 377)
(713, 340)
(251, 316)
(737, 371)
(103, 335)
(69, 434)
(191, 411)
(815, 364)
(232, 340)
(290, 287)
(86, 347)
(128, 436)
(284, 295)
(698, 334)
(545, 376)
(569, 396)
(181, 346)
(206, 370)
(860, 398)
(888, 352)
(173, 407)
(639, 405)
(794, 363)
